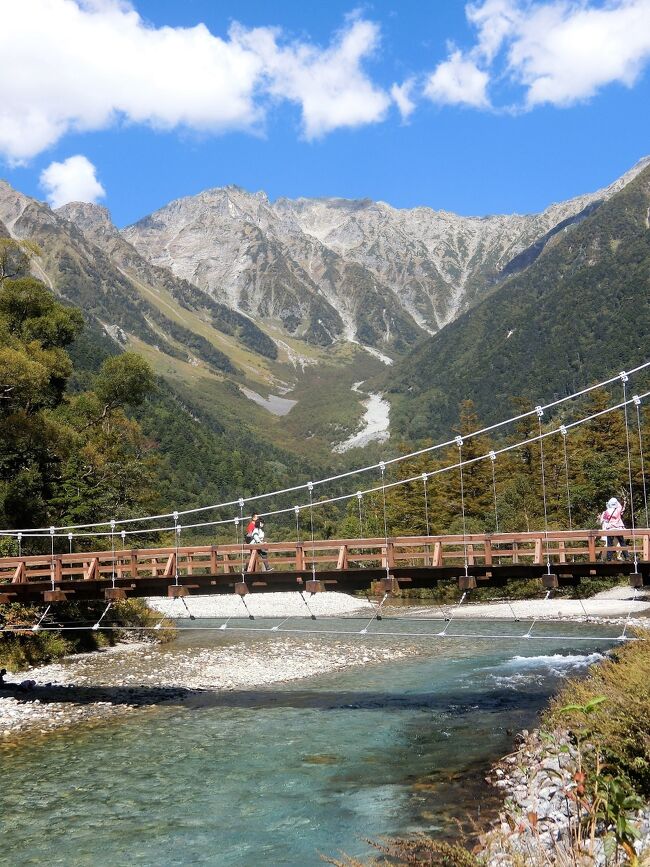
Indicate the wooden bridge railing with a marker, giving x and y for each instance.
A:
(561, 547)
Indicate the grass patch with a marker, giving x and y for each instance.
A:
(24, 648)
(619, 724)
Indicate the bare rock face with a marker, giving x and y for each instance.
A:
(329, 269)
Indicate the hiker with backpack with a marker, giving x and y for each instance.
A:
(258, 539)
(250, 528)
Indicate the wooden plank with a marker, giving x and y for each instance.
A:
(437, 554)
(170, 568)
(487, 552)
(342, 562)
(538, 550)
(300, 558)
(252, 561)
(591, 542)
(19, 576)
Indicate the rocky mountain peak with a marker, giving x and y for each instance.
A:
(13, 205)
(88, 216)
(347, 269)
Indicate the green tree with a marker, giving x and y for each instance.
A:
(63, 456)
(124, 380)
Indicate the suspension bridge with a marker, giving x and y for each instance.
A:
(347, 565)
(307, 564)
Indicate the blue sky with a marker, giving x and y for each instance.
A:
(493, 107)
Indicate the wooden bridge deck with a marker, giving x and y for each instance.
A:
(340, 564)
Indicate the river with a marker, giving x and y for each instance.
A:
(281, 774)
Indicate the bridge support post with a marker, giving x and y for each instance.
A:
(54, 596)
(241, 588)
(389, 585)
(636, 579)
(114, 594)
(467, 582)
(174, 591)
(550, 582)
(314, 586)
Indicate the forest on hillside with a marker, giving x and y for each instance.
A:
(87, 432)
(580, 312)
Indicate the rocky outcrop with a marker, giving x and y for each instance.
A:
(328, 269)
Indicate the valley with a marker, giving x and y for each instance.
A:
(263, 315)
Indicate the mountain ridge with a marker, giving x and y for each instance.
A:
(365, 271)
(585, 301)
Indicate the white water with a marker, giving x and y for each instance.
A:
(375, 423)
(385, 359)
(276, 405)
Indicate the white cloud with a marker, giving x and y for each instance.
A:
(559, 51)
(564, 53)
(73, 180)
(495, 20)
(89, 64)
(329, 84)
(458, 81)
(401, 95)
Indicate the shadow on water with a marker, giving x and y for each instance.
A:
(145, 696)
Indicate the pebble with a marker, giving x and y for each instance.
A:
(132, 676)
(536, 811)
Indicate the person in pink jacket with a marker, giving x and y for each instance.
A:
(612, 519)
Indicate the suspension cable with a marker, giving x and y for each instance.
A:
(96, 626)
(240, 545)
(241, 524)
(345, 632)
(113, 553)
(536, 617)
(564, 433)
(624, 379)
(37, 626)
(382, 467)
(426, 502)
(540, 413)
(372, 490)
(349, 473)
(52, 561)
(637, 404)
(459, 443)
(310, 488)
(453, 614)
(359, 499)
(176, 534)
(493, 460)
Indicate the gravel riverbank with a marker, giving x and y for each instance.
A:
(95, 686)
(330, 604)
(538, 783)
(619, 602)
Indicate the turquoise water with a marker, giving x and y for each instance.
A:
(283, 774)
